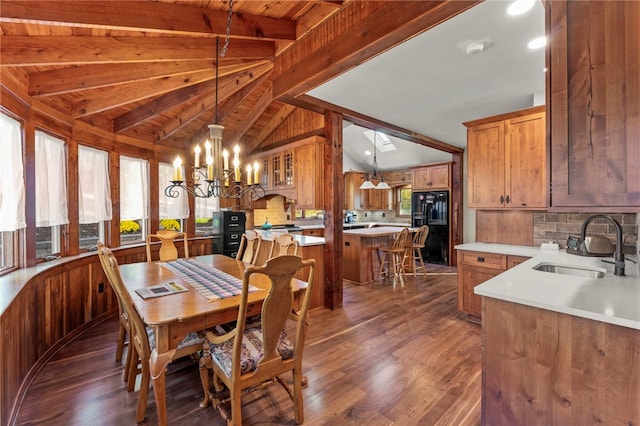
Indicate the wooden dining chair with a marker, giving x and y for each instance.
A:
(414, 250)
(251, 357)
(168, 250)
(284, 244)
(141, 338)
(393, 257)
(250, 243)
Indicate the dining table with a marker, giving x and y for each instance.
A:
(173, 316)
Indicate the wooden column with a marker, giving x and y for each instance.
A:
(333, 205)
(114, 177)
(456, 206)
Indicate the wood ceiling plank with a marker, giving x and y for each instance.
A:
(232, 93)
(57, 50)
(100, 100)
(84, 77)
(357, 32)
(172, 99)
(146, 16)
(252, 116)
(268, 128)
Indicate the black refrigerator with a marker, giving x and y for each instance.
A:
(432, 209)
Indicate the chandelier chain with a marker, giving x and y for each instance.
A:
(228, 33)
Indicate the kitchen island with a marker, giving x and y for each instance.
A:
(560, 348)
(361, 260)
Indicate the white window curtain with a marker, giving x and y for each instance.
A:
(134, 188)
(171, 208)
(51, 181)
(93, 185)
(206, 206)
(12, 191)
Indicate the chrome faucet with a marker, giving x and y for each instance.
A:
(618, 256)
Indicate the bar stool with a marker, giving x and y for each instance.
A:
(393, 256)
(414, 250)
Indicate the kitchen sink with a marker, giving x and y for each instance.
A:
(570, 270)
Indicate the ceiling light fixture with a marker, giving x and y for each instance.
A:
(476, 47)
(368, 184)
(537, 43)
(220, 180)
(519, 7)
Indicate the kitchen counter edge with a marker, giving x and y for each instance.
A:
(612, 299)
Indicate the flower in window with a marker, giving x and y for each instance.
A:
(129, 226)
(170, 224)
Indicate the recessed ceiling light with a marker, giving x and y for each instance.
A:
(519, 7)
(537, 43)
(367, 152)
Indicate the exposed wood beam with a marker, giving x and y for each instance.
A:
(57, 50)
(285, 111)
(100, 100)
(252, 116)
(173, 98)
(71, 79)
(362, 30)
(320, 106)
(146, 16)
(232, 93)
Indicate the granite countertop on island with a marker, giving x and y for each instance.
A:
(611, 299)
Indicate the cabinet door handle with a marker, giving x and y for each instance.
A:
(480, 259)
(502, 199)
(508, 200)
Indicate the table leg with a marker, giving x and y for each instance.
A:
(158, 367)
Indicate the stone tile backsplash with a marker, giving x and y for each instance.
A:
(557, 227)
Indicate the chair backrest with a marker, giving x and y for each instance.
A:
(283, 245)
(168, 250)
(420, 236)
(401, 240)
(277, 309)
(250, 243)
(138, 332)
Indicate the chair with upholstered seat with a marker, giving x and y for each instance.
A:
(168, 250)
(284, 244)
(414, 250)
(250, 243)
(248, 357)
(141, 339)
(393, 257)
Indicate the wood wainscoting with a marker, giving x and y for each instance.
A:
(50, 304)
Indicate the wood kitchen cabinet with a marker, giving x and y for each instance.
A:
(295, 172)
(474, 268)
(399, 177)
(594, 84)
(506, 157)
(364, 199)
(431, 177)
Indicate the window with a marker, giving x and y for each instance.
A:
(173, 211)
(51, 193)
(12, 192)
(204, 214)
(404, 201)
(94, 196)
(134, 199)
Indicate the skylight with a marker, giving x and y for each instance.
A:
(383, 143)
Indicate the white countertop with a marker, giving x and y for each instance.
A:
(612, 299)
(303, 240)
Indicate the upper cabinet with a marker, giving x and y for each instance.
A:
(399, 177)
(364, 199)
(506, 157)
(295, 172)
(594, 84)
(431, 177)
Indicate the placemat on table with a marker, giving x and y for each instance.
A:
(212, 283)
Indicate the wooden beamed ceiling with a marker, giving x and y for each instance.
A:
(146, 69)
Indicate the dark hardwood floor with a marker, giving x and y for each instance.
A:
(398, 355)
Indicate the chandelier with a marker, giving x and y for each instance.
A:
(368, 184)
(215, 178)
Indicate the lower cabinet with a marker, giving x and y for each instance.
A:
(474, 268)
